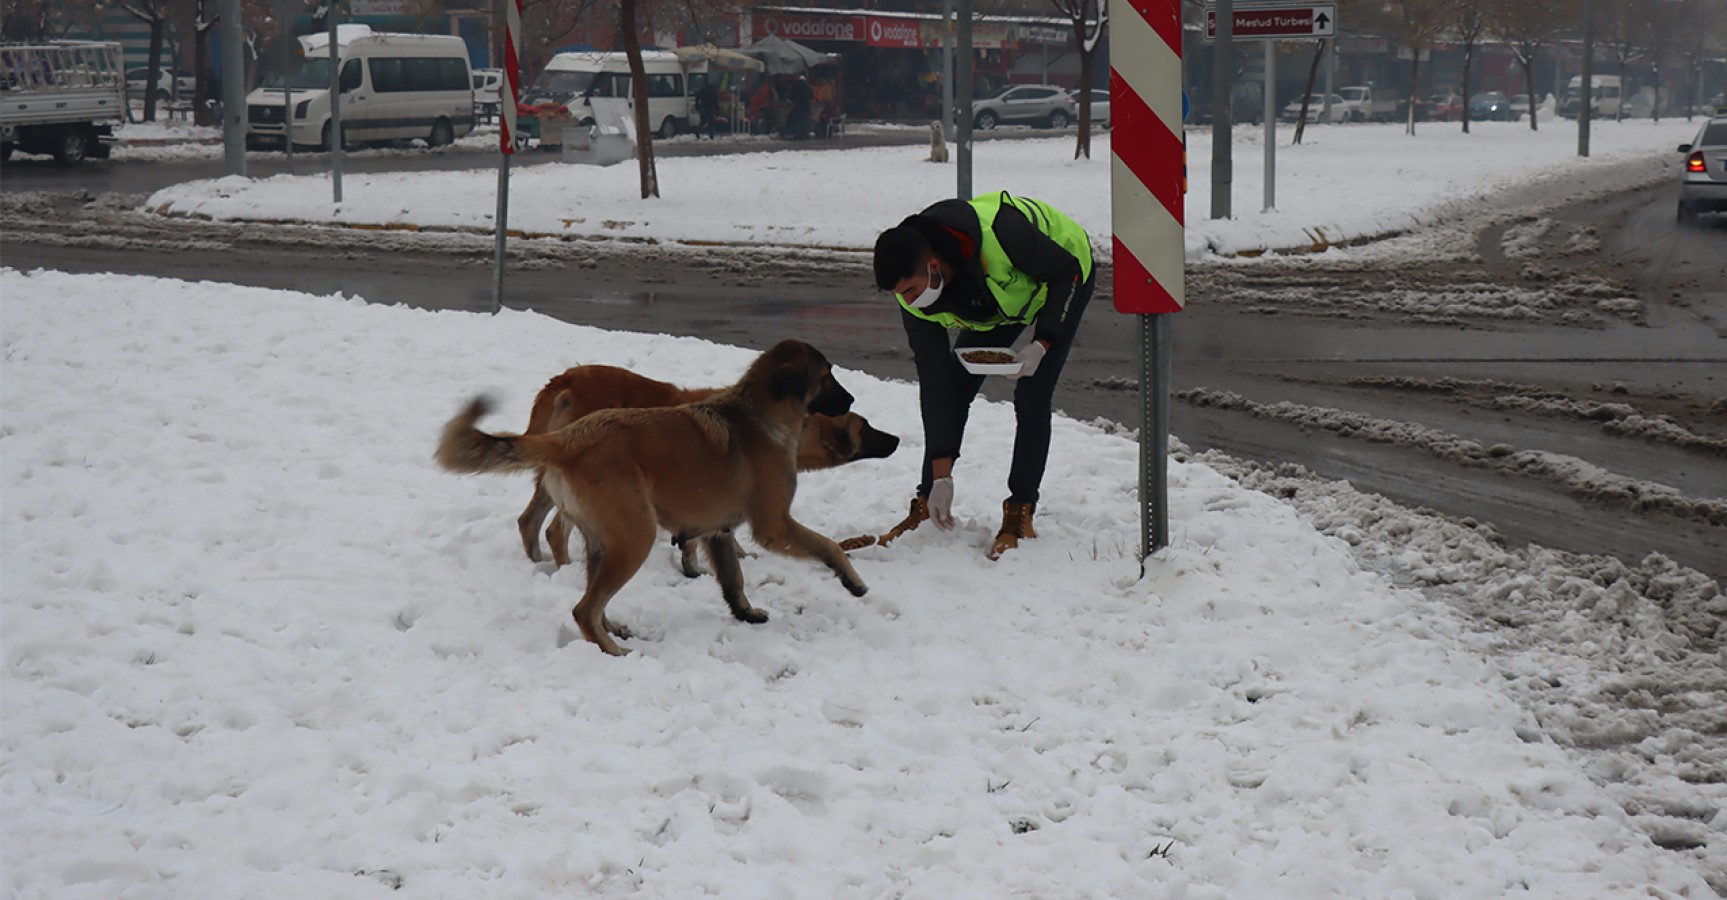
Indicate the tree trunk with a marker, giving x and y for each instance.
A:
(1414, 72)
(158, 28)
(1654, 108)
(1529, 88)
(1312, 73)
(201, 112)
(639, 99)
(1619, 114)
(1087, 62)
(1468, 57)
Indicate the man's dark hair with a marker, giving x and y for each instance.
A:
(897, 253)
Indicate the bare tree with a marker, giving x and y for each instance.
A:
(1088, 19)
(1307, 94)
(203, 20)
(1525, 27)
(1623, 32)
(1469, 22)
(1705, 32)
(1663, 25)
(33, 21)
(639, 89)
(1416, 24)
(153, 13)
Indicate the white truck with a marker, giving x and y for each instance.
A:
(62, 98)
(1361, 103)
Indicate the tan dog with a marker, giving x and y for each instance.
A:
(697, 471)
(937, 144)
(827, 441)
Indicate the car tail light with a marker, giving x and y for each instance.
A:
(1694, 162)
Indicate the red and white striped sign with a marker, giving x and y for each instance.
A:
(1147, 157)
(508, 91)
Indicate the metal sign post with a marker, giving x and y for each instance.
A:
(335, 104)
(1267, 23)
(285, 14)
(1147, 183)
(510, 16)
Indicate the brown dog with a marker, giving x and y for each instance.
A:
(827, 441)
(697, 471)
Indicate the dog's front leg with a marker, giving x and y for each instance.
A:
(793, 539)
(723, 559)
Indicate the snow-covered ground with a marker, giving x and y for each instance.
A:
(1342, 184)
(258, 645)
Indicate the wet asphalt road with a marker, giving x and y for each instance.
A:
(1315, 362)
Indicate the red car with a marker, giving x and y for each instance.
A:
(1442, 108)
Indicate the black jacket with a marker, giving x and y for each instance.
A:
(952, 227)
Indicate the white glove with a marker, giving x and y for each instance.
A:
(1028, 358)
(941, 503)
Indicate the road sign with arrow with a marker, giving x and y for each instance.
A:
(1278, 23)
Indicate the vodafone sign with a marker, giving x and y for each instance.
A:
(895, 32)
(810, 28)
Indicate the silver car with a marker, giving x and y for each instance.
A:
(1025, 104)
(1099, 105)
(1703, 177)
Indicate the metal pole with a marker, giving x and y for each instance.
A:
(1154, 378)
(1270, 126)
(1222, 109)
(507, 93)
(1588, 70)
(503, 222)
(335, 106)
(233, 89)
(962, 132)
(288, 90)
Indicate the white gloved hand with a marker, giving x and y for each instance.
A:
(1028, 358)
(941, 503)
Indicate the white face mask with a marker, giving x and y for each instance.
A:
(932, 293)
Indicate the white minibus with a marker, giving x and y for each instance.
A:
(570, 78)
(394, 87)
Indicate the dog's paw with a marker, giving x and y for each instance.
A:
(856, 586)
(752, 615)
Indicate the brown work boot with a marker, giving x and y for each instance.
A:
(1015, 527)
(913, 518)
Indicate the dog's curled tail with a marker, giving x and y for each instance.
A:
(464, 448)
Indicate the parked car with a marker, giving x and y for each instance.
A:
(1025, 104)
(171, 84)
(1315, 109)
(1441, 108)
(1099, 106)
(1519, 107)
(1703, 178)
(1490, 106)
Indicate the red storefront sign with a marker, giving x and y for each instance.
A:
(809, 28)
(884, 32)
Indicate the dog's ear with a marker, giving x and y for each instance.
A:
(789, 380)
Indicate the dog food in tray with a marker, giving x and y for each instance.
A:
(987, 360)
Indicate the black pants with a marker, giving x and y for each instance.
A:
(1033, 399)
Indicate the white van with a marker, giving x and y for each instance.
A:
(1604, 96)
(570, 78)
(394, 86)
